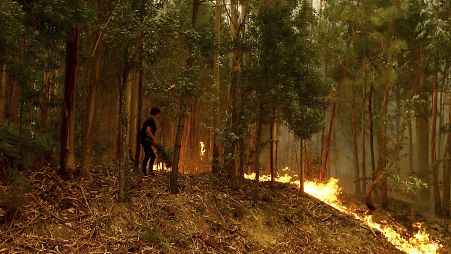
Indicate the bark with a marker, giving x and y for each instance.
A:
(370, 116)
(380, 178)
(258, 142)
(383, 147)
(323, 169)
(363, 111)
(271, 148)
(181, 121)
(435, 169)
(3, 92)
(217, 77)
(122, 135)
(358, 190)
(67, 153)
(235, 68)
(447, 172)
(177, 150)
(90, 112)
(46, 101)
(301, 167)
(139, 112)
(422, 132)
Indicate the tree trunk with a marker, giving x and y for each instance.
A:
(258, 142)
(363, 111)
(382, 166)
(3, 92)
(435, 168)
(447, 172)
(301, 166)
(217, 81)
(422, 128)
(139, 113)
(46, 101)
(271, 147)
(323, 168)
(358, 190)
(67, 156)
(370, 116)
(122, 135)
(177, 149)
(88, 132)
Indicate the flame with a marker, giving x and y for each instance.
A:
(202, 150)
(329, 192)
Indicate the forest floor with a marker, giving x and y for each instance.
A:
(57, 216)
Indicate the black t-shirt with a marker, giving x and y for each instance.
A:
(153, 127)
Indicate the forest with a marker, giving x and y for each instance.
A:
(311, 126)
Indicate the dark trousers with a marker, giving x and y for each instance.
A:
(149, 156)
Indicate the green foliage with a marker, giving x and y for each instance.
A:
(10, 17)
(164, 154)
(408, 186)
(282, 66)
(153, 237)
(21, 150)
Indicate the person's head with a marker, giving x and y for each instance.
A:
(155, 113)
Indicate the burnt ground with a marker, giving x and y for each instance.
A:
(82, 216)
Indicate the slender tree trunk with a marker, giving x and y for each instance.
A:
(363, 111)
(67, 153)
(384, 165)
(271, 147)
(422, 128)
(323, 168)
(435, 168)
(301, 166)
(383, 147)
(370, 116)
(183, 106)
(122, 136)
(358, 190)
(46, 101)
(177, 149)
(139, 113)
(447, 172)
(3, 91)
(235, 69)
(258, 142)
(88, 135)
(217, 85)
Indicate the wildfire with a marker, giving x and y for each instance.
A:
(328, 192)
(202, 150)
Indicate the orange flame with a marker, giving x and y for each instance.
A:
(202, 150)
(328, 192)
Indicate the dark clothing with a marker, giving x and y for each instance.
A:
(149, 154)
(153, 127)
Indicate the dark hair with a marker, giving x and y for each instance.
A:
(155, 111)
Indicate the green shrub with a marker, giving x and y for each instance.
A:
(153, 237)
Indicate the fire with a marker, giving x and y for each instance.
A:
(329, 192)
(202, 150)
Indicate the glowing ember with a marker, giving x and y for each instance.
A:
(328, 192)
(202, 150)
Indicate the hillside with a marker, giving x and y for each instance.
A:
(57, 216)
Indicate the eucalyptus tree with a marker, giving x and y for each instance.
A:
(282, 66)
(11, 16)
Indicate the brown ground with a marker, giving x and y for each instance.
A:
(58, 216)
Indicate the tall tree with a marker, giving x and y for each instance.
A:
(67, 152)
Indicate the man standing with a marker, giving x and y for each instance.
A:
(148, 130)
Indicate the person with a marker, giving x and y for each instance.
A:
(148, 130)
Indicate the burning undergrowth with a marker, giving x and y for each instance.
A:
(329, 192)
(84, 217)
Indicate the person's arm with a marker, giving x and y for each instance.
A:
(150, 135)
